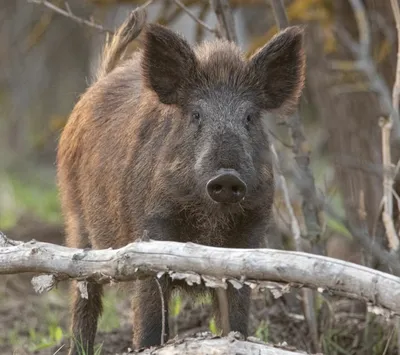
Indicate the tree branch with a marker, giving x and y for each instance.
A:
(311, 209)
(367, 241)
(294, 223)
(280, 15)
(365, 64)
(226, 23)
(215, 267)
(224, 310)
(387, 161)
(388, 184)
(163, 311)
(68, 13)
(396, 85)
(194, 17)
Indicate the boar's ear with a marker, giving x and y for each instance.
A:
(279, 69)
(168, 63)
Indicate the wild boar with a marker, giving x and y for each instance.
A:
(171, 141)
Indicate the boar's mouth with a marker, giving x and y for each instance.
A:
(226, 187)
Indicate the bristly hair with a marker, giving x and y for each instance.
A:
(284, 62)
(274, 75)
(221, 62)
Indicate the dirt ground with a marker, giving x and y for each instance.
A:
(38, 324)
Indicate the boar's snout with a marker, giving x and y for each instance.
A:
(226, 187)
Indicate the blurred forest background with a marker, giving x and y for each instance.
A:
(47, 60)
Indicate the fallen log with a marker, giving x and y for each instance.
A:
(206, 344)
(194, 263)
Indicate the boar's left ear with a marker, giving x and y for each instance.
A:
(168, 63)
(278, 69)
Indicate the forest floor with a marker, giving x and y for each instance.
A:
(38, 324)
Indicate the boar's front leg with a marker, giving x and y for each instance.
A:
(147, 312)
(85, 315)
(238, 308)
(146, 302)
(253, 236)
(239, 305)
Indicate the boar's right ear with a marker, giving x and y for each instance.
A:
(168, 63)
(278, 70)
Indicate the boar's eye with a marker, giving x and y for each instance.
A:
(196, 116)
(249, 118)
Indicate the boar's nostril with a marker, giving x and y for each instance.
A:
(226, 188)
(217, 188)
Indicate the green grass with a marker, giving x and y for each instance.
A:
(18, 197)
(213, 327)
(34, 337)
(43, 340)
(50, 333)
(12, 336)
(176, 307)
(97, 347)
(203, 299)
(109, 319)
(262, 331)
(366, 337)
(175, 304)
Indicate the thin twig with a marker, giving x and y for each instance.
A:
(363, 26)
(368, 242)
(294, 223)
(386, 124)
(387, 213)
(279, 13)
(226, 23)
(224, 310)
(279, 139)
(162, 311)
(59, 349)
(363, 237)
(396, 85)
(165, 16)
(364, 63)
(68, 13)
(395, 109)
(194, 17)
(202, 14)
(390, 126)
(311, 210)
(310, 207)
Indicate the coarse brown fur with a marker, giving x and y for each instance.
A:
(131, 159)
(115, 48)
